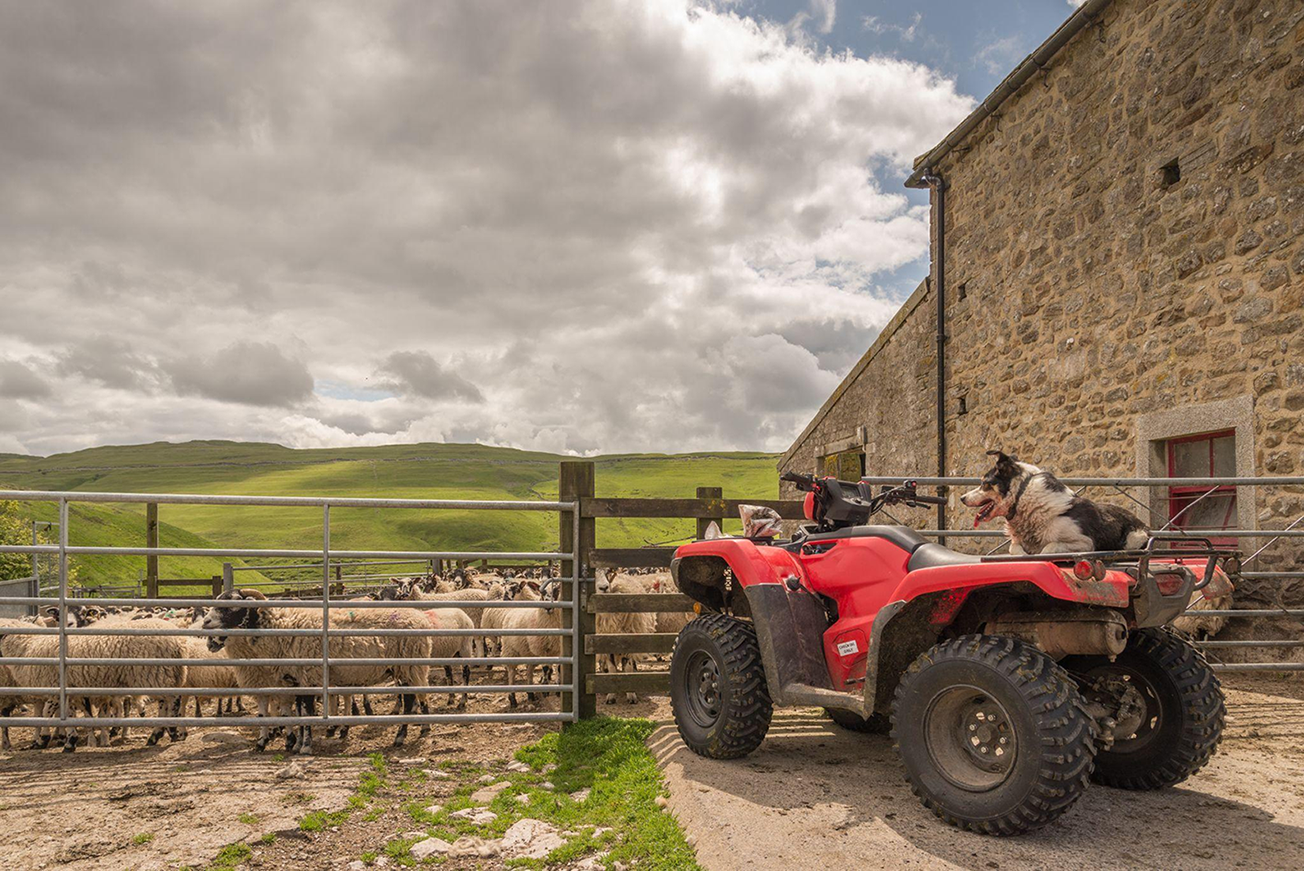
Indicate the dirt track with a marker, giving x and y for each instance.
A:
(814, 796)
(811, 796)
(90, 810)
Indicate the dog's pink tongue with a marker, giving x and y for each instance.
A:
(977, 518)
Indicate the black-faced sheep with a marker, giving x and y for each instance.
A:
(342, 648)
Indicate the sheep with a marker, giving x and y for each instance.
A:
(11, 704)
(495, 592)
(116, 676)
(644, 623)
(1216, 596)
(220, 674)
(514, 646)
(341, 648)
(440, 647)
(452, 645)
(668, 622)
(496, 618)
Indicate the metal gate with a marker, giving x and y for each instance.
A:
(568, 605)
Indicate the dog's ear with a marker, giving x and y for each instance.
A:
(1003, 460)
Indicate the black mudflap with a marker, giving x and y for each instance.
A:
(790, 628)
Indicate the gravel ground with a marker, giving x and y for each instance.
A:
(176, 805)
(814, 796)
(811, 796)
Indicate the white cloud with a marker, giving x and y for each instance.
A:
(636, 225)
(906, 32)
(825, 13)
(999, 56)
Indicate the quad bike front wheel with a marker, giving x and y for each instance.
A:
(993, 735)
(1170, 710)
(717, 687)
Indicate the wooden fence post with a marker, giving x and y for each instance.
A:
(575, 482)
(151, 540)
(704, 522)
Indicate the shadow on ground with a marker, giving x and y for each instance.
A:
(816, 796)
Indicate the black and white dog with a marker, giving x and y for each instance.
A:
(1043, 516)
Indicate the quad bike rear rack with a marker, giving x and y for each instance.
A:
(1151, 604)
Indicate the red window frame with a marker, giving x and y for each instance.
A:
(1179, 496)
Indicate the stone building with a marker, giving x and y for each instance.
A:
(1118, 249)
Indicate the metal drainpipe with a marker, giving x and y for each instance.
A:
(938, 184)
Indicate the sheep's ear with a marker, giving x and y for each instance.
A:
(533, 585)
(252, 594)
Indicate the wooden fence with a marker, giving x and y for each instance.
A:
(577, 483)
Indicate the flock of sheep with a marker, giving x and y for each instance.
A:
(240, 664)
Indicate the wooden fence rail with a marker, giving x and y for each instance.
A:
(709, 505)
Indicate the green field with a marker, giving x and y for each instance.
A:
(436, 471)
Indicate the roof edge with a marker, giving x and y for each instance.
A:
(1009, 86)
(907, 308)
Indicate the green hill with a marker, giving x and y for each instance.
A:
(400, 471)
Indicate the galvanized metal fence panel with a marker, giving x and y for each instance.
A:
(64, 550)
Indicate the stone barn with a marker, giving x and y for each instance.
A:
(1117, 270)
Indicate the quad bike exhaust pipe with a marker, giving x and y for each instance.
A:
(1065, 633)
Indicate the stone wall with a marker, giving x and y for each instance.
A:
(1129, 232)
(1095, 291)
(1102, 286)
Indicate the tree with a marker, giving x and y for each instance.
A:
(14, 529)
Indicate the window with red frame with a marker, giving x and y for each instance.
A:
(1211, 455)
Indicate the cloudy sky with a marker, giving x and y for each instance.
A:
(607, 226)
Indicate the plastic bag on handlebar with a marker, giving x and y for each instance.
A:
(760, 521)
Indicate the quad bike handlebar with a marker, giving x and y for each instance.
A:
(838, 504)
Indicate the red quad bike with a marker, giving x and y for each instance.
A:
(1007, 683)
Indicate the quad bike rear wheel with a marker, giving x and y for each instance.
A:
(993, 734)
(717, 687)
(874, 724)
(1171, 710)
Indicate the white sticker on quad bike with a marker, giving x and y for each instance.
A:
(847, 648)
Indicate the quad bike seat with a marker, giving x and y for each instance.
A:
(930, 555)
(923, 553)
(902, 536)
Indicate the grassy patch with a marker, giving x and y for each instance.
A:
(142, 838)
(619, 817)
(230, 856)
(248, 819)
(371, 782)
(318, 821)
